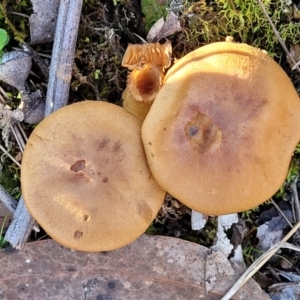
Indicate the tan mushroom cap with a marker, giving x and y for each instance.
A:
(221, 131)
(85, 178)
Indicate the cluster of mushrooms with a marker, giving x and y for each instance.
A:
(219, 137)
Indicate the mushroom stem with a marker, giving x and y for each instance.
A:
(142, 87)
(138, 108)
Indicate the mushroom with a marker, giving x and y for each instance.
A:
(221, 132)
(148, 63)
(156, 53)
(142, 86)
(85, 178)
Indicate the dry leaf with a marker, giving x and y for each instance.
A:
(271, 232)
(42, 21)
(15, 68)
(33, 107)
(162, 29)
(284, 291)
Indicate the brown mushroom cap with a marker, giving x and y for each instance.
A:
(221, 131)
(85, 178)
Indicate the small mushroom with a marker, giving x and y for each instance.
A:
(222, 130)
(148, 63)
(142, 86)
(156, 53)
(85, 178)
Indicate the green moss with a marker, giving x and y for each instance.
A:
(9, 179)
(244, 20)
(17, 27)
(153, 10)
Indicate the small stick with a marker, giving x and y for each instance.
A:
(57, 97)
(19, 138)
(295, 201)
(9, 201)
(21, 226)
(63, 55)
(22, 132)
(281, 212)
(10, 156)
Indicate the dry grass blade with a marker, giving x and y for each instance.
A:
(295, 200)
(296, 66)
(260, 262)
(281, 212)
(10, 156)
(19, 137)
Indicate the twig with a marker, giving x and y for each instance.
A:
(10, 156)
(3, 94)
(20, 227)
(18, 14)
(63, 55)
(295, 201)
(57, 96)
(281, 212)
(19, 138)
(9, 201)
(278, 35)
(258, 264)
(297, 65)
(22, 132)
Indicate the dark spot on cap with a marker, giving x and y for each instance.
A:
(102, 144)
(78, 166)
(117, 146)
(78, 234)
(152, 154)
(105, 180)
(144, 211)
(71, 269)
(86, 217)
(203, 133)
(193, 130)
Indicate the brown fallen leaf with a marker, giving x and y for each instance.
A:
(152, 267)
(14, 68)
(163, 28)
(43, 20)
(295, 53)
